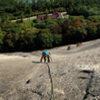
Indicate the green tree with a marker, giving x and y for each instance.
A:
(44, 39)
(92, 32)
(26, 41)
(50, 23)
(1, 40)
(80, 34)
(57, 39)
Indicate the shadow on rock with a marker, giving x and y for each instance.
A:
(28, 81)
(83, 77)
(86, 71)
(36, 62)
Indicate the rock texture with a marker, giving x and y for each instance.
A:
(75, 74)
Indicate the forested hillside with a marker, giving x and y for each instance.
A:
(21, 8)
(82, 24)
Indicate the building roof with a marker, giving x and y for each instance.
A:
(41, 17)
(53, 16)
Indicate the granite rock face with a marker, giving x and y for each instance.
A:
(72, 75)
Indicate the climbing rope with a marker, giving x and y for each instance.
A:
(51, 80)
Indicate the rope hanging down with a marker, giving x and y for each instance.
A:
(52, 87)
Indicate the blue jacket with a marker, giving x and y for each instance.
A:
(45, 52)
